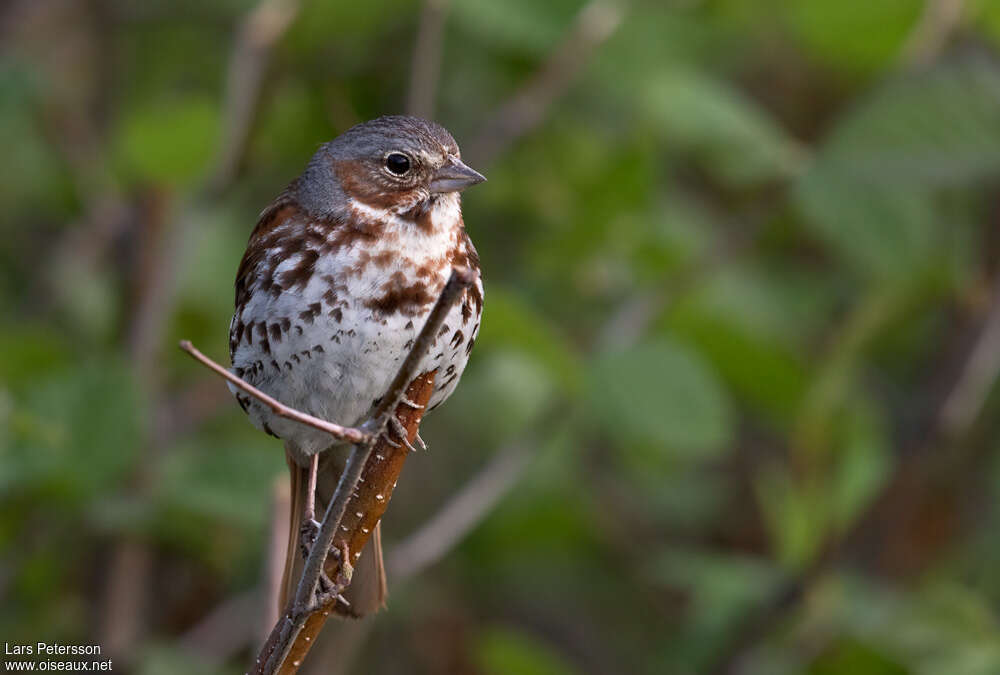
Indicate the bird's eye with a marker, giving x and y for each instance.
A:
(397, 163)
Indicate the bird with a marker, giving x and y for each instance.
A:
(339, 275)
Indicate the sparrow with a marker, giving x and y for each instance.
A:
(338, 277)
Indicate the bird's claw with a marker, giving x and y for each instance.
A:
(328, 591)
(393, 427)
(400, 430)
(412, 404)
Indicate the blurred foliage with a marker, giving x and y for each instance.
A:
(731, 279)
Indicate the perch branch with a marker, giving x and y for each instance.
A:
(349, 434)
(296, 629)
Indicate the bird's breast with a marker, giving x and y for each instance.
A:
(344, 318)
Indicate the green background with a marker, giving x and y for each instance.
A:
(742, 319)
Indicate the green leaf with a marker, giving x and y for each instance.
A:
(854, 656)
(764, 374)
(734, 137)
(796, 514)
(76, 432)
(223, 477)
(511, 385)
(664, 394)
(935, 128)
(872, 192)
(801, 512)
(882, 231)
(718, 588)
(856, 35)
(988, 14)
(168, 659)
(170, 141)
(509, 322)
(354, 29)
(862, 465)
(38, 183)
(517, 24)
(942, 627)
(30, 352)
(503, 651)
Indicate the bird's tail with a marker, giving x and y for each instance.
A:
(368, 591)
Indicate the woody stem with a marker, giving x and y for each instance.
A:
(284, 634)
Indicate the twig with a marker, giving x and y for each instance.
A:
(350, 434)
(426, 59)
(966, 399)
(431, 542)
(594, 24)
(236, 621)
(277, 549)
(932, 31)
(159, 246)
(130, 569)
(476, 499)
(224, 631)
(303, 604)
(262, 28)
(306, 607)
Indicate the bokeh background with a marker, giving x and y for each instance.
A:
(731, 408)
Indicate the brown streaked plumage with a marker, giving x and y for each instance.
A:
(338, 277)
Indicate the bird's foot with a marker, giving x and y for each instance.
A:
(400, 431)
(328, 591)
(412, 404)
(307, 536)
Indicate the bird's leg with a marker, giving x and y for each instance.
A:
(327, 590)
(310, 526)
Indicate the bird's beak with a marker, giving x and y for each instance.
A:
(454, 176)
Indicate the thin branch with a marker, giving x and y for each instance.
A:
(224, 631)
(460, 515)
(349, 434)
(967, 398)
(303, 604)
(932, 31)
(525, 110)
(307, 606)
(277, 549)
(131, 566)
(160, 246)
(259, 32)
(426, 69)
(460, 279)
(411, 557)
